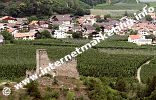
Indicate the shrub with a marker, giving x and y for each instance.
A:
(70, 96)
(43, 35)
(7, 35)
(107, 16)
(32, 18)
(120, 85)
(80, 98)
(77, 35)
(23, 96)
(51, 95)
(32, 90)
(64, 90)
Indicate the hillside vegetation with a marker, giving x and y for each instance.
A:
(21, 8)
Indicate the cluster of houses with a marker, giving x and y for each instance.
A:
(144, 30)
(21, 28)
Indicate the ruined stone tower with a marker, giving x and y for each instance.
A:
(42, 59)
(67, 69)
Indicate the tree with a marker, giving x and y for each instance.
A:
(97, 91)
(71, 95)
(151, 87)
(77, 35)
(151, 37)
(80, 12)
(54, 27)
(107, 16)
(148, 18)
(43, 7)
(132, 32)
(99, 19)
(12, 10)
(32, 18)
(7, 35)
(32, 90)
(152, 96)
(51, 95)
(43, 35)
(120, 85)
(98, 29)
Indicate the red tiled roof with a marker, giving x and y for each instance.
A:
(20, 35)
(135, 36)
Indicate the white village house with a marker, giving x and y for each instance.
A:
(8, 19)
(65, 24)
(25, 36)
(139, 39)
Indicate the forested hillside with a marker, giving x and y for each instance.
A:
(21, 8)
(94, 2)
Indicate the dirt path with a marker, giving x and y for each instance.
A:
(139, 70)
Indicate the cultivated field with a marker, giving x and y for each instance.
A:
(111, 12)
(120, 6)
(111, 58)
